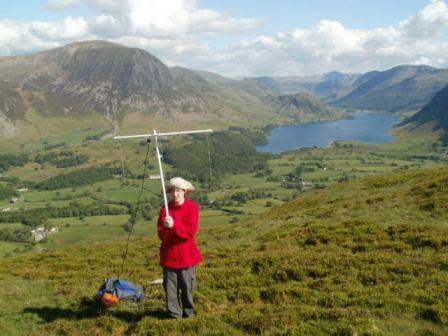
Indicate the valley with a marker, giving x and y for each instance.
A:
(344, 240)
(362, 250)
(234, 197)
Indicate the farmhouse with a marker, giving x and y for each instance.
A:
(41, 232)
(14, 200)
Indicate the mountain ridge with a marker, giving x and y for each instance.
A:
(105, 83)
(402, 88)
(323, 86)
(128, 87)
(114, 81)
(300, 106)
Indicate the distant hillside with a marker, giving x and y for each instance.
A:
(104, 85)
(126, 86)
(300, 106)
(368, 257)
(211, 77)
(433, 115)
(297, 107)
(403, 88)
(325, 86)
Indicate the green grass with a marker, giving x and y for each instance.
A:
(367, 257)
(17, 294)
(8, 248)
(95, 229)
(35, 142)
(57, 204)
(346, 160)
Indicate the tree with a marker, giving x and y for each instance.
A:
(34, 221)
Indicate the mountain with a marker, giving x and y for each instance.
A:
(402, 88)
(324, 86)
(98, 84)
(433, 115)
(405, 88)
(300, 106)
(120, 85)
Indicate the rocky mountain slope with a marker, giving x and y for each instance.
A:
(97, 83)
(116, 82)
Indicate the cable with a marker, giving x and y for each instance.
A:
(134, 216)
(122, 162)
(209, 162)
(152, 192)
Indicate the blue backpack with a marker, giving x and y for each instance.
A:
(115, 290)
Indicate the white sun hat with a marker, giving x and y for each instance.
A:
(179, 183)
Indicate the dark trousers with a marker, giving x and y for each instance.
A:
(178, 284)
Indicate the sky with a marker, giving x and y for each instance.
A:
(241, 38)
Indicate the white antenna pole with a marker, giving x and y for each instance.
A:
(159, 158)
(156, 135)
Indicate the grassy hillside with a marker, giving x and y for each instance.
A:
(367, 257)
(249, 187)
(302, 107)
(432, 116)
(324, 86)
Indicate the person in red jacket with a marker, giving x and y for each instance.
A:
(179, 253)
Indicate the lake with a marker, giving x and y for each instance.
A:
(365, 127)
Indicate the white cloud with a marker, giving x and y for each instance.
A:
(15, 38)
(329, 45)
(160, 17)
(179, 33)
(68, 30)
(117, 8)
(430, 22)
(171, 28)
(213, 22)
(61, 4)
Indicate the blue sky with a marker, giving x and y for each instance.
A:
(277, 15)
(241, 38)
(286, 14)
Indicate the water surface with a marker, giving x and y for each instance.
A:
(366, 127)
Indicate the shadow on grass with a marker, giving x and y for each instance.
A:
(91, 308)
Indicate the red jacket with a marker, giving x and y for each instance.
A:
(179, 249)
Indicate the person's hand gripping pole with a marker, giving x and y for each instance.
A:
(168, 222)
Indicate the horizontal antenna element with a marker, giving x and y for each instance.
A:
(145, 136)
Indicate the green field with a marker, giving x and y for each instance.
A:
(364, 257)
(9, 248)
(282, 257)
(321, 167)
